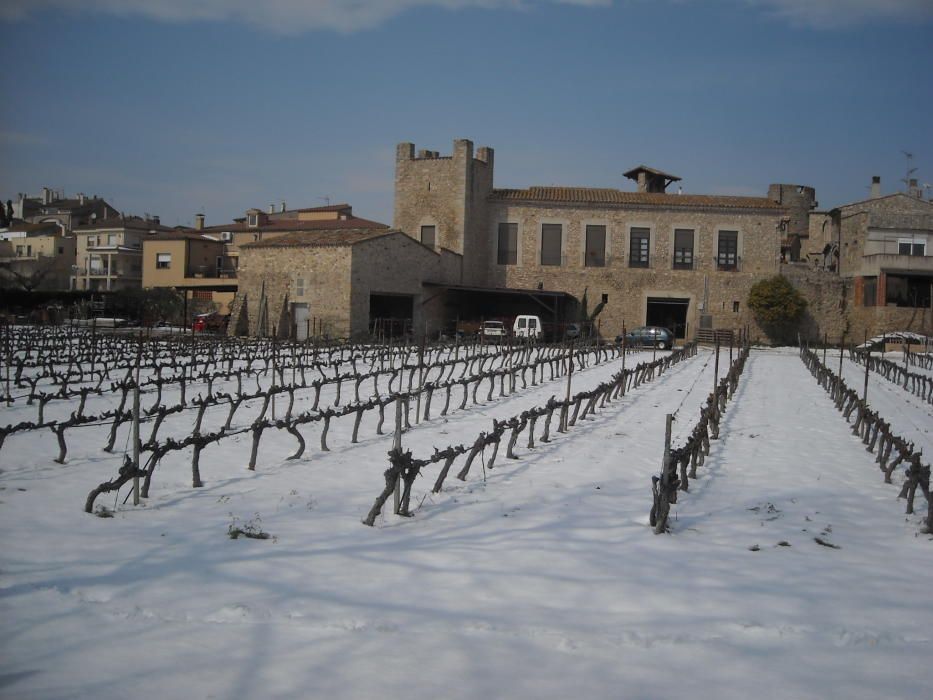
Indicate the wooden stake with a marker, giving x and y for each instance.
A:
(867, 363)
(397, 446)
(139, 350)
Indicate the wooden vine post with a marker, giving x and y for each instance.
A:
(397, 447)
(867, 366)
(139, 351)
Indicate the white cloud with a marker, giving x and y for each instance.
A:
(295, 16)
(824, 14)
(285, 16)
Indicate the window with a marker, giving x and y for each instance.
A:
(728, 256)
(605, 299)
(551, 243)
(220, 264)
(111, 239)
(735, 307)
(595, 246)
(252, 220)
(638, 247)
(163, 261)
(91, 241)
(428, 235)
(870, 291)
(683, 249)
(299, 286)
(911, 246)
(507, 250)
(61, 250)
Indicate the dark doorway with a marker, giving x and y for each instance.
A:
(391, 314)
(668, 313)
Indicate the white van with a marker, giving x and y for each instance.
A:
(527, 327)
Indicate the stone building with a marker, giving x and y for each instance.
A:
(885, 247)
(652, 257)
(332, 281)
(462, 249)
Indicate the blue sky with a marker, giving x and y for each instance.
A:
(173, 107)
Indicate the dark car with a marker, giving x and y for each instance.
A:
(648, 336)
(211, 322)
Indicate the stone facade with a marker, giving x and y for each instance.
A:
(455, 195)
(720, 294)
(336, 280)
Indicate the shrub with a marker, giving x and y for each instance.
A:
(778, 307)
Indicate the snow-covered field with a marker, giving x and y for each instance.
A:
(540, 580)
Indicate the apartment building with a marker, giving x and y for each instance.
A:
(109, 252)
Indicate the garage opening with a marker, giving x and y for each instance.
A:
(669, 313)
(391, 315)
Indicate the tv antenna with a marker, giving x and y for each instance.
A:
(910, 171)
(326, 200)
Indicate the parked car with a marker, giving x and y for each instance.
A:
(648, 336)
(493, 330)
(212, 322)
(572, 331)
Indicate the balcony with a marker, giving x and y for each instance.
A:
(873, 265)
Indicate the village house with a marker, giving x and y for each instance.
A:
(109, 252)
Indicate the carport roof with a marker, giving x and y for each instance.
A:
(499, 290)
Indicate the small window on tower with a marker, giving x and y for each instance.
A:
(735, 307)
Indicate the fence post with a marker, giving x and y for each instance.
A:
(867, 363)
(825, 343)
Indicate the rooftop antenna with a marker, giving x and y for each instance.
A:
(910, 171)
(326, 201)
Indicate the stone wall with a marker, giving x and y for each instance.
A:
(395, 264)
(268, 275)
(338, 282)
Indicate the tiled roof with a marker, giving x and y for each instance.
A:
(176, 235)
(296, 225)
(134, 222)
(329, 207)
(322, 238)
(609, 197)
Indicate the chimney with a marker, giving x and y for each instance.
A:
(642, 181)
(272, 209)
(81, 198)
(46, 195)
(875, 186)
(913, 189)
(199, 222)
(283, 207)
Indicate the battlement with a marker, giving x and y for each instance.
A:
(462, 150)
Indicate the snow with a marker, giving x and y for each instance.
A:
(542, 580)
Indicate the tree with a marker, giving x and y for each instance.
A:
(778, 307)
(28, 274)
(587, 318)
